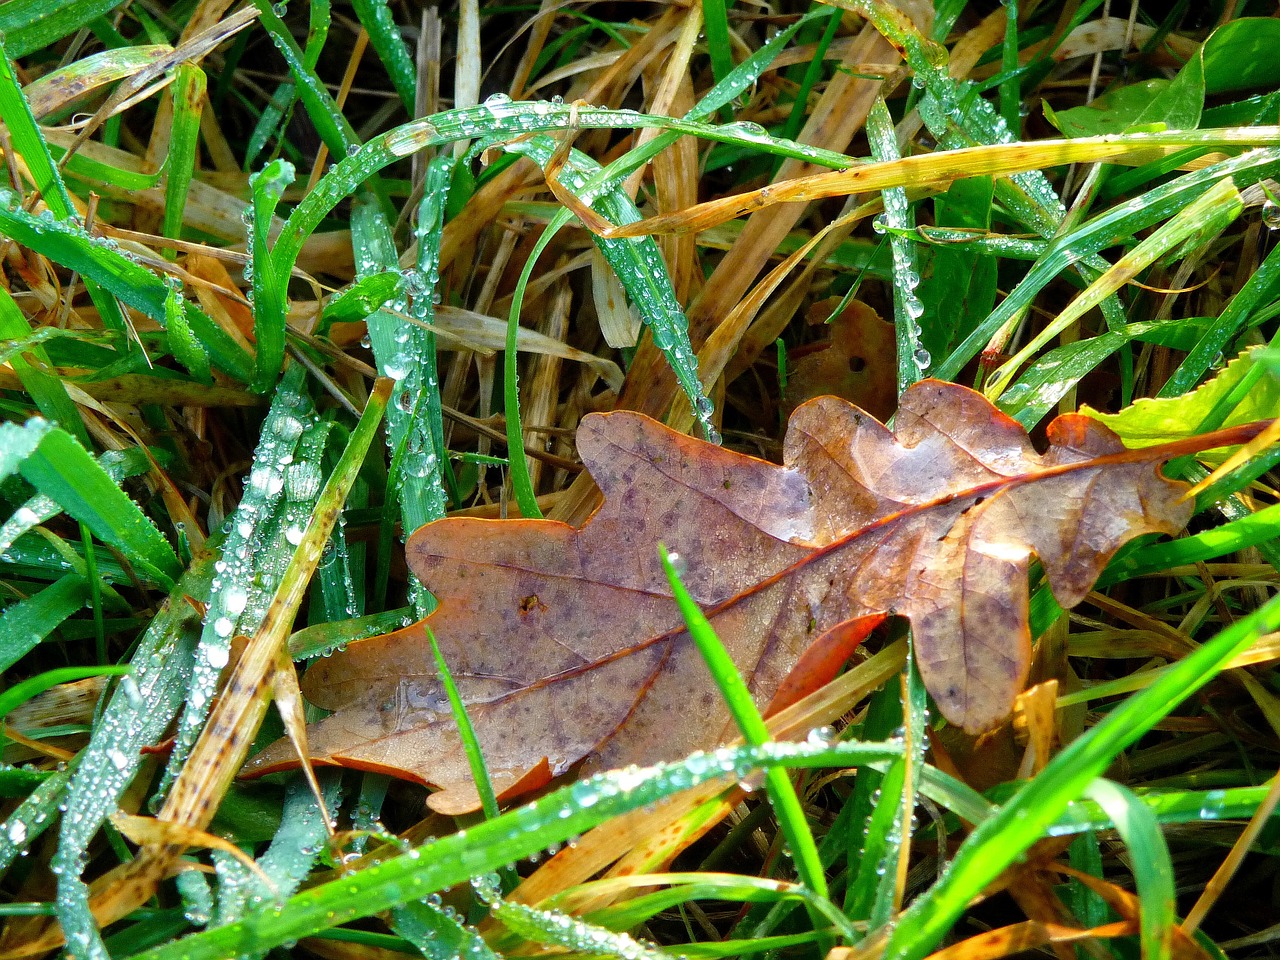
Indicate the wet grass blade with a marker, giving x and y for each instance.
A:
(913, 358)
(387, 42)
(568, 812)
(23, 625)
(188, 92)
(62, 470)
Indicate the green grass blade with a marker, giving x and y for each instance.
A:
(997, 842)
(137, 715)
(782, 793)
(1114, 226)
(913, 358)
(30, 818)
(23, 625)
(467, 733)
(30, 25)
(386, 40)
(294, 850)
(436, 934)
(567, 812)
(1152, 866)
(68, 245)
(188, 92)
(270, 305)
(62, 470)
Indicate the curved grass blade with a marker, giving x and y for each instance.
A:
(269, 287)
(639, 266)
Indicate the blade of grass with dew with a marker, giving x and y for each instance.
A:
(387, 41)
(553, 819)
(274, 113)
(913, 358)
(119, 465)
(29, 142)
(553, 928)
(326, 638)
(493, 124)
(68, 245)
(63, 470)
(1257, 291)
(1149, 857)
(329, 120)
(137, 715)
(46, 390)
(270, 290)
(291, 855)
(638, 264)
(24, 624)
(997, 842)
(182, 342)
(1204, 218)
(1107, 229)
(32, 817)
(254, 554)
(224, 743)
(404, 350)
(782, 793)
(436, 934)
(188, 92)
(1052, 375)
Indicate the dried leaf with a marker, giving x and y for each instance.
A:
(566, 644)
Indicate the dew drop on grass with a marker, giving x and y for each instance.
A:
(1271, 215)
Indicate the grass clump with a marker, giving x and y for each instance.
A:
(239, 246)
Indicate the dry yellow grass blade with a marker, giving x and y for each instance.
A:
(940, 169)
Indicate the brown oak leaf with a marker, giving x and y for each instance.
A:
(566, 644)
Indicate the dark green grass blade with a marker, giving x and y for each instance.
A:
(23, 625)
(62, 470)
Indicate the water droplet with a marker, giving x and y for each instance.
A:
(1271, 214)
